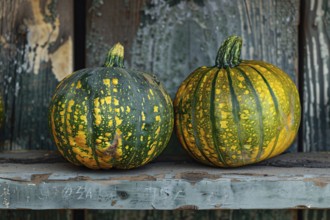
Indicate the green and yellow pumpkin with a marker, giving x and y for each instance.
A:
(237, 112)
(111, 117)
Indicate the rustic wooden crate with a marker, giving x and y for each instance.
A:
(43, 41)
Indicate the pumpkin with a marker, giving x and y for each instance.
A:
(111, 117)
(237, 112)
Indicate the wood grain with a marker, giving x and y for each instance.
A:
(315, 83)
(174, 39)
(36, 52)
(170, 39)
(154, 214)
(162, 186)
(109, 22)
(191, 214)
(316, 78)
(316, 214)
(30, 156)
(38, 215)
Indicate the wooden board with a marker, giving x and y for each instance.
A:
(176, 36)
(316, 214)
(192, 214)
(109, 22)
(164, 186)
(152, 214)
(302, 159)
(32, 214)
(316, 78)
(36, 50)
(315, 31)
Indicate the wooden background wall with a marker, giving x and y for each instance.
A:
(40, 40)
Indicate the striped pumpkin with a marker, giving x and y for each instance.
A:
(237, 112)
(111, 117)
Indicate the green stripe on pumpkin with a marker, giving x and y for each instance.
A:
(213, 120)
(258, 109)
(275, 103)
(235, 111)
(193, 115)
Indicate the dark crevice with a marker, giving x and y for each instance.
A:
(78, 214)
(301, 50)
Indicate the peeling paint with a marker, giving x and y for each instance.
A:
(62, 60)
(42, 32)
(316, 83)
(40, 35)
(38, 178)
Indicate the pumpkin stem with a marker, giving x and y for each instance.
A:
(229, 54)
(115, 57)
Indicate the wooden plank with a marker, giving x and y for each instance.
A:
(177, 36)
(30, 156)
(163, 186)
(316, 214)
(316, 86)
(109, 22)
(36, 51)
(301, 159)
(191, 214)
(311, 160)
(38, 215)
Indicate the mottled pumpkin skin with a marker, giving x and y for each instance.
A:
(240, 115)
(110, 117)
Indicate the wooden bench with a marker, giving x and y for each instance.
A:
(42, 180)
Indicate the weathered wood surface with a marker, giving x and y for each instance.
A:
(310, 159)
(316, 78)
(192, 214)
(316, 214)
(172, 38)
(36, 215)
(109, 22)
(36, 50)
(177, 36)
(30, 156)
(154, 214)
(164, 185)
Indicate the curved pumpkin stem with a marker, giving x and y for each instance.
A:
(115, 57)
(229, 54)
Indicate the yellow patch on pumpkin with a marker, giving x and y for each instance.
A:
(106, 82)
